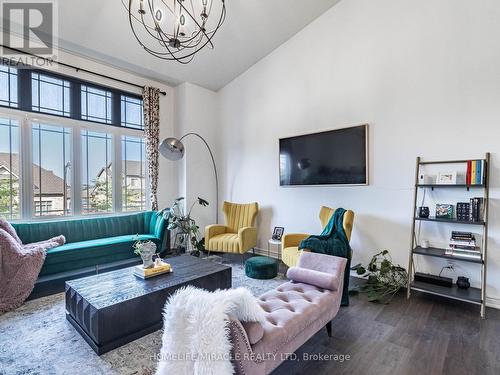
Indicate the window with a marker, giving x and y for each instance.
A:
(96, 104)
(9, 169)
(51, 169)
(8, 86)
(50, 95)
(80, 130)
(43, 208)
(132, 112)
(97, 192)
(133, 174)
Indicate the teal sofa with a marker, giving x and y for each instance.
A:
(92, 242)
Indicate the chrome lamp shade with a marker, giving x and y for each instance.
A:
(172, 149)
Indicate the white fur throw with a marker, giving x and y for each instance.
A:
(196, 333)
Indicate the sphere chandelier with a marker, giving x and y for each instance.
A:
(175, 29)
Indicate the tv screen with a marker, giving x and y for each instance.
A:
(336, 157)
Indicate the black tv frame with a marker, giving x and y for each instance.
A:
(367, 142)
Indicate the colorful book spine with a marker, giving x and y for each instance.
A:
(473, 172)
(478, 171)
(468, 174)
(483, 171)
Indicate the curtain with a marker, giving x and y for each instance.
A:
(151, 103)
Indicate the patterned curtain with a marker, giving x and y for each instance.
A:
(151, 99)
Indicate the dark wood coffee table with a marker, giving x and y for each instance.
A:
(114, 308)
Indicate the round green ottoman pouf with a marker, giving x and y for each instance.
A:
(261, 268)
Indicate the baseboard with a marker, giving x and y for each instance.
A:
(265, 252)
(494, 303)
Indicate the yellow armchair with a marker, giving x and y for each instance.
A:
(290, 242)
(239, 233)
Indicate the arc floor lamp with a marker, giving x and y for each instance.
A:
(173, 149)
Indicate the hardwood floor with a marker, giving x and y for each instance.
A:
(425, 335)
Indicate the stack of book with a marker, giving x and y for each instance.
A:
(476, 212)
(475, 172)
(146, 273)
(463, 244)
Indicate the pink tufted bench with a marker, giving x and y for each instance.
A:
(295, 311)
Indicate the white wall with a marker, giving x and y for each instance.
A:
(424, 74)
(196, 112)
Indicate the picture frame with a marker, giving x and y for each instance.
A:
(278, 233)
(447, 178)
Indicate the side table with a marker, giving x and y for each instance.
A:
(274, 245)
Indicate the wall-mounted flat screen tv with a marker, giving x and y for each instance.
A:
(336, 157)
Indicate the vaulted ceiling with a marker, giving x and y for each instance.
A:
(99, 30)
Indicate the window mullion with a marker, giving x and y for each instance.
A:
(26, 191)
(117, 173)
(24, 89)
(76, 100)
(76, 162)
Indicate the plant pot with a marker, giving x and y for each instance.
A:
(463, 282)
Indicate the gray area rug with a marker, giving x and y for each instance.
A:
(37, 339)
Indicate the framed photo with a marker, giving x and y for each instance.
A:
(278, 233)
(447, 178)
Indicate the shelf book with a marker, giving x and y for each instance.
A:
(462, 246)
(475, 174)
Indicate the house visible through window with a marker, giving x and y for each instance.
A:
(133, 174)
(51, 169)
(43, 208)
(66, 157)
(97, 188)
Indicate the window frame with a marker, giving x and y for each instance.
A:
(24, 102)
(26, 119)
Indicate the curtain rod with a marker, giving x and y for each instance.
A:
(78, 69)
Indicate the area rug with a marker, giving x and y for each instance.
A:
(37, 339)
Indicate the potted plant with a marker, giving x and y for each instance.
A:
(384, 279)
(188, 233)
(146, 250)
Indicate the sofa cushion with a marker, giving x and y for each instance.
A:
(63, 250)
(313, 277)
(290, 309)
(76, 255)
(227, 242)
(78, 230)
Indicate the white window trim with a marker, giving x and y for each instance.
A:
(25, 120)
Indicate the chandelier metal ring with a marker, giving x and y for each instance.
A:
(175, 29)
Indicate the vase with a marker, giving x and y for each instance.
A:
(463, 282)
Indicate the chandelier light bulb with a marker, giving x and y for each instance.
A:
(186, 27)
(158, 15)
(141, 7)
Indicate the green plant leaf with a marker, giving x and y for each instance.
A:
(360, 270)
(202, 202)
